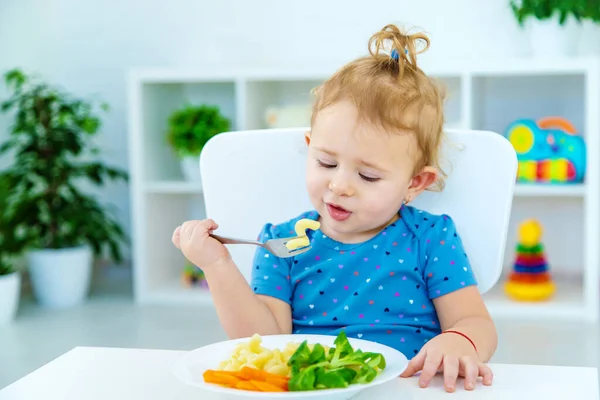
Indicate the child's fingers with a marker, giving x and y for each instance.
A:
(450, 373)
(430, 368)
(471, 369)
(486, 373)
(415, 365)
(176, 237)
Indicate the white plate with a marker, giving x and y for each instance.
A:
(189, 368)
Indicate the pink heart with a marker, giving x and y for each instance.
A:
(340, 266)
(361, 316)
(404, 278)
(301, 296)
(404, 234)
(384, 233)
(366, 259)
(408, 249)
(310, 282)
(453, 247)
(335, 300)
(428, 241)
(378, 267)
(274, 265)
(438, 292)
(304, 317)
(451, 262)
(400, 315)
(346, 287)
(402, 340)
(462, 283)
(317, 258)
(352, 252)
(372, 324)
(278, 288)
(376, 320)
(397, 294)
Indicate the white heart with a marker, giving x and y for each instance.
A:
(346, 308)
(368, 280)
(336, 248)
(310, 323)
(400, 261)
(266, 277)
(332, 280)
(329, 259)
(465, 268)
(416, 319)
(380, 287)
(435, 259)
(375, 246)
(359, 335)
(266, 256)
(426, 256)
(411, 301)
(306, 268)
(445, 229)
(311, 305)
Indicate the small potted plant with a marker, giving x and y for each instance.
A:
(63, 227)
(10, 278)
(190, 127)
(554, 25)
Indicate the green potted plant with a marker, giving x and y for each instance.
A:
(64, 227)
(554, 25)
(189, 128)
(10, 278)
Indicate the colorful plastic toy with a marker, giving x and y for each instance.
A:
(530, 279)
(549, 150)
(193, 276)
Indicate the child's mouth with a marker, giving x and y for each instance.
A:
(338, 213)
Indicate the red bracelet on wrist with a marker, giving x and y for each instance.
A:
(463, 335)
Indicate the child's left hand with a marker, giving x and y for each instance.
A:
(452, 354)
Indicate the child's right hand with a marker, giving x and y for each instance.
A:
(194, 241)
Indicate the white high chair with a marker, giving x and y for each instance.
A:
(254, 177)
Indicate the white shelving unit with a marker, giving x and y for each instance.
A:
(482, 95)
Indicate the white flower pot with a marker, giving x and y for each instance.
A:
(10, 291)
(589, 43)
(549, 39)
(190, 167)
(60, 277)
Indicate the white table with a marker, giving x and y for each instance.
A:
(90, 373)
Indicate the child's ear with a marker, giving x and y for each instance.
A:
(421, 181)
(307, 137)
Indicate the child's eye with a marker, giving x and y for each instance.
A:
(368, 178)
(325, 165)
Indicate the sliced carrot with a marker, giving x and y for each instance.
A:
(247, 385)
(267, 387)
(220, 378)
(282, 383)
(254, 374)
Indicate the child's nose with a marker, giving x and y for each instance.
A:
(341, 186)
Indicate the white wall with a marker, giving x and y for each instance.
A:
(88, 46)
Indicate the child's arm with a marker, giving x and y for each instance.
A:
(241, 312)
(465, 312)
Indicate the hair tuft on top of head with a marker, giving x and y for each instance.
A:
(391, 44)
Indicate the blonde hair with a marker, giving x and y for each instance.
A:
(389, 90)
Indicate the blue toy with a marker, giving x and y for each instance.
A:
(548, 150)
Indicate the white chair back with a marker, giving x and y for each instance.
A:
(254, 177)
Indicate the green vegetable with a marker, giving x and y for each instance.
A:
(340, 367)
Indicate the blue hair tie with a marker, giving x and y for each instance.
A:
(394, 54)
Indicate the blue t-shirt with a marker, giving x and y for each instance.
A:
(379, 290)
